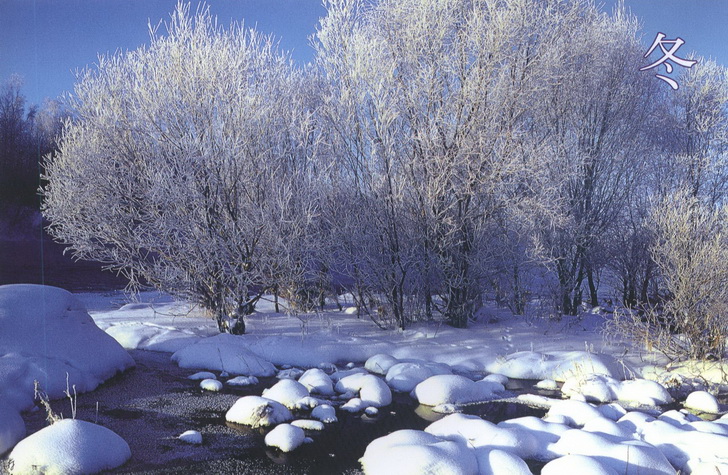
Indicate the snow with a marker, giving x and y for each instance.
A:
(223, 352)
(47, 335)
(285, 437)
(69, 446)
(414, 452)
(380, 363)
(307, 424)
(325, 413)
(405, 376)
(202, 375)
(211, 385)
(702, 401)
(256, 411)
(556, 365)
(455, 389)
(317, 382)
(371, 389)
(496, 462)
(191, 437)
(287, 392)
(577, 464)
(601, 388)
(573, 413)
(242, 381)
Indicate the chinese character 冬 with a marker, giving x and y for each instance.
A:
(668, 55)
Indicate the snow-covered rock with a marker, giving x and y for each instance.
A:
(545, 433)
(548, 384)
(191, 437)
(45, 335)
(223, 352)
(372, 390)
(199, 376)
(290, 373)
(287, 392)
(12, 427)
(556, 365)
(455, 389)
(242, 381)
(500, 462)
(211, 385)
(573, 413)
(624, 456)
(285, 437)
(405, 376)
(380, 363)
(413, 452)
(325, 413)
(702, 401)
(69, 446)
(601, 388)
(478, 433)
(307, 424)
(256, 411)
(317, 382)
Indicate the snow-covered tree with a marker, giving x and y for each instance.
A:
(189, 165)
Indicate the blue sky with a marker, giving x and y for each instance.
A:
(45, 41)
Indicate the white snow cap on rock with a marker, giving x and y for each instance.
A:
(601, 388)
(46, 334)
(556, 365)
(285, 437)
(202, 375)
(405, 376)
(242, 381)
(455, 389)
(414, 452)
(325, 413)
(256, 411)
(191, 437)
(287, 391)
(69, 446)
(373, 391)
(223, 352)
(380, 363)
(211, 385)
(317, 382)
(702, 401)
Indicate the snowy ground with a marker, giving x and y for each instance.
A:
(437, 366)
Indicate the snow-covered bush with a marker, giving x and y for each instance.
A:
(188, 166)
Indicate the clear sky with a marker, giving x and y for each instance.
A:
(45, 41)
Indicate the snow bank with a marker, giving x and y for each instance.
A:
(45, 335)
(150, 336)
(256, 411)
(455, 389)
(285, 437)
(414, 452)
(69, 446)
(556, 365)
(223, 352)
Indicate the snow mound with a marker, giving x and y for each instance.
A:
(202, 375)
(683, 445)
(545, 433)
(46, 334)
(69, 446)
(149, 336)
(577, 464)
(496, 462)
(307, 424)
(242, 381)
(191, 437)
(454, 389)
(413, 452)
(623, 456)
(380, 363)
(601, 388)
(372, 390)
(285, 437)
(211, 385)
(573, 413)
(405, 376)
(325, 413)
(556, 365)
(477, 433)
(317, 382)
(256, 411)
(223, 352)
(12, 427)
(287, 392)
(702, 401)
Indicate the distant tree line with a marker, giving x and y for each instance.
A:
(435, 151)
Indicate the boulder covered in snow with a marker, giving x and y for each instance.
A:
(317, 382)
(223, 352)
(556, 365)
(455, 389)
(287, 392)
(256, 411)
(46, 335)
(702, 401)
(405, 376)
(373, 391)
(69, 446)
(414, 452)
(285, 437)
